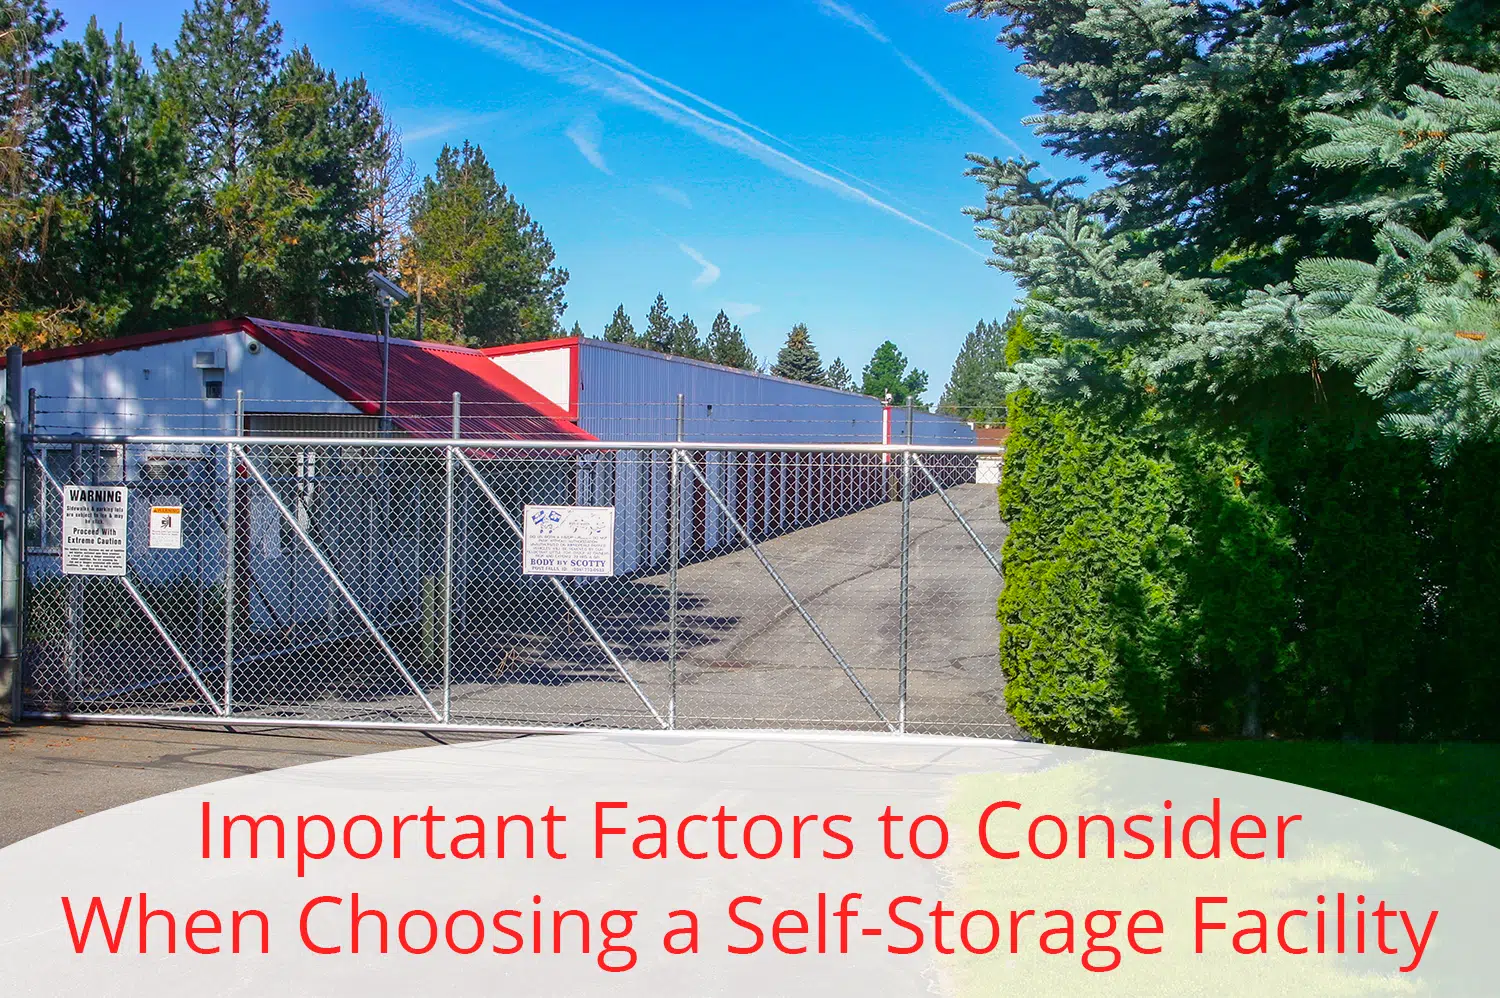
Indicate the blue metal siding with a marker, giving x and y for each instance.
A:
(626, 393)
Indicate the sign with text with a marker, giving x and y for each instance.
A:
(800, 865)
(93, 529)
(166, 524)
(568, 540)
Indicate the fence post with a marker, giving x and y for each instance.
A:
(231, 549)
(70, 647)
(905, 587)
(11, 575)
(19, 687)
(674, 526)
(447, 602)
(905, 573)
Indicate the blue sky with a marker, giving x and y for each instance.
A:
(786, 160)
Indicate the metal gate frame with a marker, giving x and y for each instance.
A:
(455, 460)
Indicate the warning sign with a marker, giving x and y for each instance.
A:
(93, 530)
(569, 540)
(166, 524)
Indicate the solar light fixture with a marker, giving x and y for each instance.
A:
(387, 293)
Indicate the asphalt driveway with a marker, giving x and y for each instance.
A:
(54, 773)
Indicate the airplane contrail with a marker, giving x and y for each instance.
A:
(607, 77)
(844, 12)
(625, 64)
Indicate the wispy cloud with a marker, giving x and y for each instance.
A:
(842, 11)
(710, 272)
(669, 193)
(854, 17)
(539, 47)
(450, 122)
(740, 310)
(586, 133)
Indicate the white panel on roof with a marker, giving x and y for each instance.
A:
(548, 372)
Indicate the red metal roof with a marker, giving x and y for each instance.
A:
(424, 376)
(131, 342)
(530, 346)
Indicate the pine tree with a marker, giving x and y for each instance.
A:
(726, 345)
(577, 330)
(798, 359)
(1177, 283)
(659, 327)
(887, 374)
(111, 155)
(620, 329)
(225, 60)
(311, 247)
(219, 78)
(838, 376)
(487, 267)
(1284, 241)
(1156, 93)
(29, 218)
(1421, 324)
(973, 390)
(685, 342)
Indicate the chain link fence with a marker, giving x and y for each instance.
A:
(359, 581)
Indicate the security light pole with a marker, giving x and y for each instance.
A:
(387, 293)
(385, 364)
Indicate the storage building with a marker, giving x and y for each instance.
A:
(623, 393)
(303, 380)
(376, 515)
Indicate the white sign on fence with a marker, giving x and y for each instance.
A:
(93, 529)
(166, 524)
(568, 540)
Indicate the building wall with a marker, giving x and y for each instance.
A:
(156, 389)
(626, 393)
(623, 394)
(548, 370)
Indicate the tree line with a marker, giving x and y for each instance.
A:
(724, 344)
(974, 390)
(887, 373)
(1252, 388)
(234, 177)
(227, 176)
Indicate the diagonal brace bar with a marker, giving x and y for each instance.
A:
(962, 520)
(192, 673)
(562, 590)
(140, 601)
(338, 583)
(692, 466)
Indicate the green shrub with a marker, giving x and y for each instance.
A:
(1089, 637)
(1312, 578)
(1457, 674)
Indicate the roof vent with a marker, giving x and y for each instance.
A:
(208, 359)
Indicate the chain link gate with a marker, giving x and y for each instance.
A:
(361, 582)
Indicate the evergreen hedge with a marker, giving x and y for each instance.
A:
(1306, 577)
